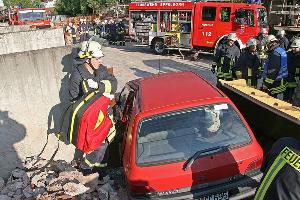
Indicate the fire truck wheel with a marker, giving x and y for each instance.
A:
(158, 46)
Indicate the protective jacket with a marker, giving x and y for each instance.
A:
(248, 66)
(275, 70)
(281, 168)
(106, 82)
(225, 59)
(293, 64)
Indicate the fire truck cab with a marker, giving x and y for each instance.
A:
(35, 17)
(186, 25)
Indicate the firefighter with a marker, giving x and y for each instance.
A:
(293, 64)
(83, 30)
(282, 40)
(97, 77)
(225, 58)
(121, 33)
(248, 64)
(281, 179)
(261, 38)
(112, 31)
(275, 68)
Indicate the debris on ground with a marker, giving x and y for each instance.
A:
(44, 180)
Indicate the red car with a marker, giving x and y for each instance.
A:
(184, 139)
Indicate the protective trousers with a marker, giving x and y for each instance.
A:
(95, 158)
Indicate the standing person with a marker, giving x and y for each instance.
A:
(281, 179)
(83, 30)
(282, 40)
(293, 64)
(71, 30)
(95, 74)
(261, 38)
(113, 32)
(275, 70)
(248, 64)
(225, 58)
(121, 33)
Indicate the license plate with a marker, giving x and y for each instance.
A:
(220, 196)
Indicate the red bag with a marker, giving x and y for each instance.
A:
(93, 124)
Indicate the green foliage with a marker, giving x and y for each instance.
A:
(82, 7)
(23, 3)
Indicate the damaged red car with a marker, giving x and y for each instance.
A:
(184, 139)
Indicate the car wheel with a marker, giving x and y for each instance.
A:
(158, 47)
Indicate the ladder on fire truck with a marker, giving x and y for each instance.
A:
(285, 15)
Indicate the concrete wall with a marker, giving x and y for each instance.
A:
(32, 85)
(12, 29)
(31, 40)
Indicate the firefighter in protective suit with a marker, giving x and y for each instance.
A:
(275, 70)
(261, 38)
(293, 64)
(225, 58)
(248, 64)
(281, 169)
(92, 74)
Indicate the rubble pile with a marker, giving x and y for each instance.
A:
(44, 180)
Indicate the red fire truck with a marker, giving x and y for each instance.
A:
(29, 16)
(186, 25)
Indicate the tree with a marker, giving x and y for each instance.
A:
(22, 3)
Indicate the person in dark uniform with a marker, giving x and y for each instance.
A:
(113, 33)
(261, 38)
(281, 169)
(225, 58)
(95, 75)
(248, 64)
(83, 30)
(282, 40)
(293, 64)
(275, 71)
(121, 33)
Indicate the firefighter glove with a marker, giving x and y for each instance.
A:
(92, 84)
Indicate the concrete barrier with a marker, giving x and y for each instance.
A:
(13, 29)
(31, 40)
(32, 85)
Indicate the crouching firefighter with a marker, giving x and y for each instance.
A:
(275, 70)
(248, 64)
(91, 120)
(225, 58)
(281, 169)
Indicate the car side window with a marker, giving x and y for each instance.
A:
(225, 14)
(208, 13)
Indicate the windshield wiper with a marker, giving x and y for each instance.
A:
(191, 160)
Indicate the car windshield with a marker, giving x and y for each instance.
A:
(31, 16)
(262, 17)
(177, 135)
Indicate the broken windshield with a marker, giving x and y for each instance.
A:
(178, 135)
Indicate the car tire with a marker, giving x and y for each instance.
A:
(158, 47)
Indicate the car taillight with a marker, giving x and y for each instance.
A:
(256, 164)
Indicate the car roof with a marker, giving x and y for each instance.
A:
(173, 88)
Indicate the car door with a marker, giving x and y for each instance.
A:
(204, 33)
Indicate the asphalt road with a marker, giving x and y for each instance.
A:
(133, 61)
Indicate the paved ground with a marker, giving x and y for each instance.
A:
(132, 61)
